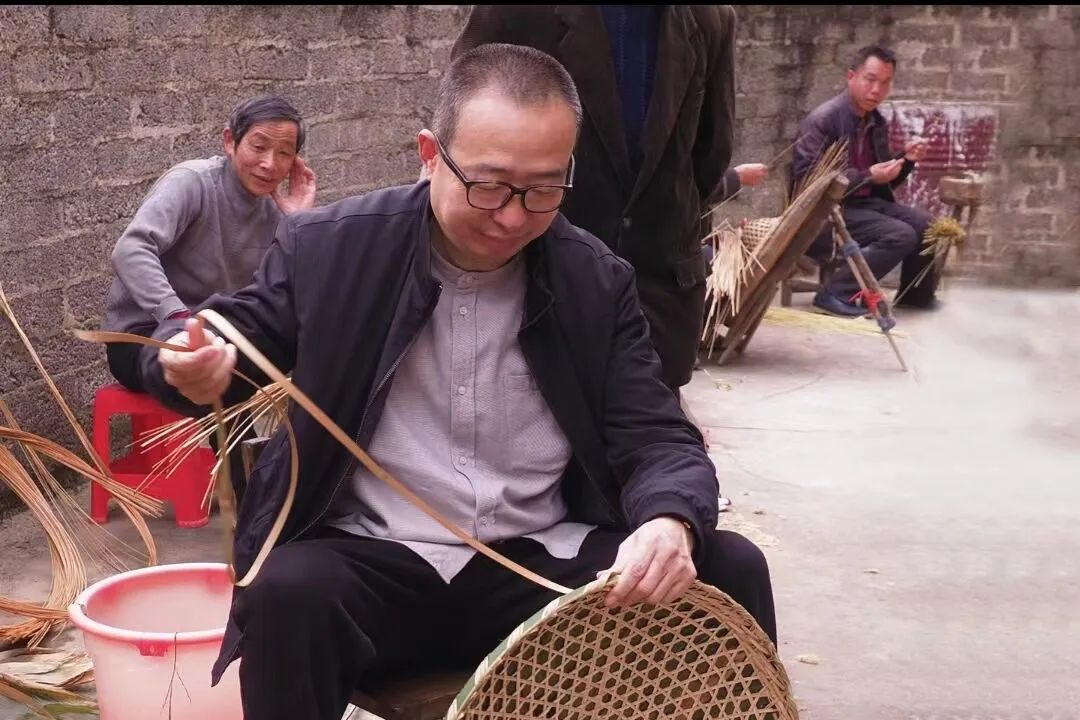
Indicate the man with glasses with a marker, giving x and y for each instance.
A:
(495, 359)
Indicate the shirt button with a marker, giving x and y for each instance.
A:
(461, 390)
(627, 222)
(463, 310)
(462, 460)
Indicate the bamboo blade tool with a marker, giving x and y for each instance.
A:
(236, 338)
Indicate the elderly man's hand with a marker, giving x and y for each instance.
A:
(654, 564)
(301, 189)
(202, 376)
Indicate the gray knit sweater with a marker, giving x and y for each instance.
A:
(197, 232)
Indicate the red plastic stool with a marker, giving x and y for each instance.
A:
(184, 487)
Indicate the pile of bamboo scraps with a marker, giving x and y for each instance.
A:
(46, 680)
(77, 545)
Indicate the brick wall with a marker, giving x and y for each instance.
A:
(1023, 62)
(95, 102)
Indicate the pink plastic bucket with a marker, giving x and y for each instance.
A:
(153, 635)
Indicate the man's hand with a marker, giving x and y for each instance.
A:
(203, 375)
(654, 564)
(887, 171)
(915, 150)
(751, 174)
(301, 189)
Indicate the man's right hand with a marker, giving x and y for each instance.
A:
(203, 375)
(887, 171)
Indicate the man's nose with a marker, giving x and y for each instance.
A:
(513, 214)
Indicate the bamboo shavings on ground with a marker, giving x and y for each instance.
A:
(45, 680)
(787, 317)
(133, 503)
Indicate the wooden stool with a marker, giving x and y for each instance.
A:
(958, 193)
(793, 284)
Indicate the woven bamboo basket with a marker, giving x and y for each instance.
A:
(700, 657)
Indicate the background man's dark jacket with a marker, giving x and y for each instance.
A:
(835, 120)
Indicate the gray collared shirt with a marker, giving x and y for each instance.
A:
(466, 428)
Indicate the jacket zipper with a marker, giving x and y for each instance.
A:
(378, 388)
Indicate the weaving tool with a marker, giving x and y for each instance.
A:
(870, 289)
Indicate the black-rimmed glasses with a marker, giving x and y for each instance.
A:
(494, 195)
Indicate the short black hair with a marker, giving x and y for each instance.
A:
(863, 54)
(265, 108)
(526, 75)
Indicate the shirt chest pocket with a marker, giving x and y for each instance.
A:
(535, 442)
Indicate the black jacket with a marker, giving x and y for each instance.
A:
(833, 120)
(338, 299)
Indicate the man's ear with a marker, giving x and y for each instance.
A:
(428, 150)
(227, 141)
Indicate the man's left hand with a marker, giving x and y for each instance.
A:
(301, 189)
(654, 564)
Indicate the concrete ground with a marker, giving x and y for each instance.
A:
(923, 528)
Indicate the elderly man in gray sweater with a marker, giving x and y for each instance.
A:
(205, 225)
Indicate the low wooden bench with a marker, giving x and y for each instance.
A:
(424, 696)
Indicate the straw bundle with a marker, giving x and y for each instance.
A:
(73, 538)
(941, 235)
(187, 435)
(701, 656)
(731, 262)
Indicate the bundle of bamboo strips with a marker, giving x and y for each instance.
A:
(187, 435)
(73, 538)
(940, 237)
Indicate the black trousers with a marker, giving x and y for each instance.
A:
(889, 234)
(335, 612)
(676, 316)
(123, 359)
